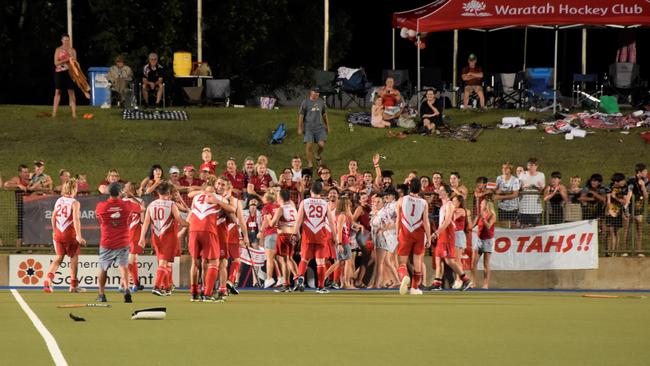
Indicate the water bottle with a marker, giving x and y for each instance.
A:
(351, 127)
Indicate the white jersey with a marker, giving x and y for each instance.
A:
(315, 220)
(443, 210)
(411, 213)
(63, 213)
(160, 212)
(289, 215)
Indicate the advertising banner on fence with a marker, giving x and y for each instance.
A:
(37, 216)
(31, 270)
(565, 246)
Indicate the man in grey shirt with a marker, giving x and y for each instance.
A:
(312, 121)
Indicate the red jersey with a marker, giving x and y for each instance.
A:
(314, 226)
(211, 165)
(346, 230)
(135, 222)
(183, 182)
(237, 180)
(294, 193)
(269, 209)
(410, 215)
(113, 216)
(484, 232)
(233, 226)
(459, 223)
(260, 182)
(203, 215)
(64, 231)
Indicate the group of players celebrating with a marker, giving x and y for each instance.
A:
(321, 223)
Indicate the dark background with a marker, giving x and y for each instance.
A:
(264, 45)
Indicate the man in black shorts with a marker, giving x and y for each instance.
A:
(312, 121)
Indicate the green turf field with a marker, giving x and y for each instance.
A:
(341, 328)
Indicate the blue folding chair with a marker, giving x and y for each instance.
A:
(539, 86)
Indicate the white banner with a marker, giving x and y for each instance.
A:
(31, 270)
(256, 256)
(572, 245)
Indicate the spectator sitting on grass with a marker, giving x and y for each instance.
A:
(556, 196)
(64, 177)
(391, 98)
(429, 114)
(506, 196)
(379, 117)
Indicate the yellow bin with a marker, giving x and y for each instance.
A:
(182, 63)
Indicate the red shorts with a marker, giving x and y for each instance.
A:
(233, 250)
(166, 247)
(204, 244)
(310, 251)
(134, 239)
(284, 245)
(69, 248)
(410, 243)
(446, 245)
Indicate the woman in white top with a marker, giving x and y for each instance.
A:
(378, 118)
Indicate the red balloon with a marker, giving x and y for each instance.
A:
(422, 45)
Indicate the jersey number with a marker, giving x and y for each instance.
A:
(315, 212)
(412, 209)
(61, 211)
(201, 199)
(158, 213)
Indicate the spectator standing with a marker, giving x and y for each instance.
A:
(152, 181)
(62, 81)
(19, 182)
(64, 177)
(153, 79)
(639, 186)
(120, 76)
(235, 177)
(472, 75)
(506, 196)
(353, 170)
(113, 176)
(313, 123)
(40, 182)
(206, 156)
(556, 196)
(618, 204)
(593, 198)
(189, 183)
(533, 183)
(296, 168)
(263, 159)
(260, 182)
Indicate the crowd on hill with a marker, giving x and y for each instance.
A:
(519, 197)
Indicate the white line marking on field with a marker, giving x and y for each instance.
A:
(52, 346)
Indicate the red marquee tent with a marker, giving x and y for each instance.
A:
(444, 15)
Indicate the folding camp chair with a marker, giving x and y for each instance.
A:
(586, 90)
(353, 88)
(624, 80)
(326, 83)
(539, 86)
(217, 91)
(510, 90)
(402, 81)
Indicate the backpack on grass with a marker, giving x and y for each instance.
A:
(278, 135)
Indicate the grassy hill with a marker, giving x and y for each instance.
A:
(106, 141)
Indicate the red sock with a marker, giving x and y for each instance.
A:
(210, 279)
(170, 268)
(464, 277)
(160, 277)
(168, 277)
(320, 271)
(437, 281)
(234, 268)
(194, 289)
(337, 274)
(402, 271)
(50, 276)
(417, 278)
(222, 290)
(133, 269)
(74, 283)
(302, 268)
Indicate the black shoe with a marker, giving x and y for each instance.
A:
(282, 289)
(157, 292)
(436, 288)
(466, 285)
(221, 298)
(328, 283)
(196, 298)
(140, 287)
(232, 289)
(101, 298)
(300, 284)
(127, 297)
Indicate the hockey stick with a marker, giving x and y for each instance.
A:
(84, 306)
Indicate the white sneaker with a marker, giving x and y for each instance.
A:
(77, 289)
(268, 282)
(404, 286)
(624, 255)
(415, 291)
(640, 255)
(280, 282)
(457, 284)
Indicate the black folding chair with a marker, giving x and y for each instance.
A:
(217, 91)
(624, 80)
(326, 83)
(510, 89)
(355, 89)
(586, 90)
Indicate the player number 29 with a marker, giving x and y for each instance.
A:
(315, 211)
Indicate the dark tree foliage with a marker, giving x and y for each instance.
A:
(263, 45)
